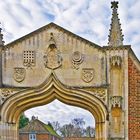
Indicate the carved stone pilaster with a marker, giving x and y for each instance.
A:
(117, 126)
(8, 131)
(1, 48)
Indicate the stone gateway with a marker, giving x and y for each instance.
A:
(53, 63)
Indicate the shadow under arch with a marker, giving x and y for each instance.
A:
(53, 89)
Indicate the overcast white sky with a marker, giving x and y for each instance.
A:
(57, 111)
(87, 18)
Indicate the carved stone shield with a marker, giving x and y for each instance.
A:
(19, 74)
(87, 74)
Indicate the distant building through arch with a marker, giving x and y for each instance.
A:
(37, 130)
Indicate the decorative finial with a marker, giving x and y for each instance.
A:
(51, 41)
(1, 38)
(114, 4)
(34, 118)
(115, 35)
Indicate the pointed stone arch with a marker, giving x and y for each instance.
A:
(50, 90)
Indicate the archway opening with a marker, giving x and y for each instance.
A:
(47, 92)
(69, 122)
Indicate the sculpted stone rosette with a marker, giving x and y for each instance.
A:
(77, 59)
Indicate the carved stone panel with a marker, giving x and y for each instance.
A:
(116, 101)
(4, 93)
(77, 59)
(116, 61)
(87, 74)
(19, 74)
(29, 58)
(52, 56)
(116, 115)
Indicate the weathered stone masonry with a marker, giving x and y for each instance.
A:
(53, 63)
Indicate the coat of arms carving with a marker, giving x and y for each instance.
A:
(19, 74)
(87, 74)
(52, 56)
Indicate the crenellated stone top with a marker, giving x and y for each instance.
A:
(116, 61)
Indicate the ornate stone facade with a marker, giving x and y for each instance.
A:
(94, 78)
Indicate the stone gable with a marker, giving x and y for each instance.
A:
(75, 61)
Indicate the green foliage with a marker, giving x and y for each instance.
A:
(50, 125)
(51, 130)
(23, 121)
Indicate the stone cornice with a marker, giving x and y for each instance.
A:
(124, 47)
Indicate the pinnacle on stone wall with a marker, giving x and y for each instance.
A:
(115, 35)
(1, 38)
